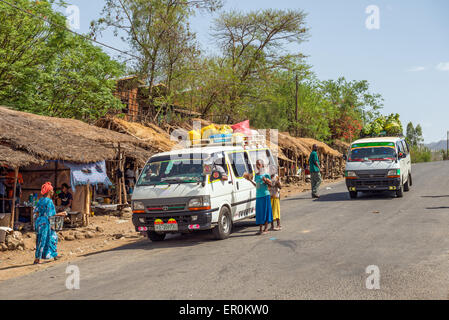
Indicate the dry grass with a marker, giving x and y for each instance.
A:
(150, 136)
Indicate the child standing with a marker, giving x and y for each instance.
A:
(275, 193)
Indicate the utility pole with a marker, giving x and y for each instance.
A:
(447, 146)
(296, 98)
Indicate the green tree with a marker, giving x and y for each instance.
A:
(414, 135)
(353, 106)
(47, 70)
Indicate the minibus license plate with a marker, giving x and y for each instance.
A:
(166, 227)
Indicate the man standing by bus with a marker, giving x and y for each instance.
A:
(314, 165)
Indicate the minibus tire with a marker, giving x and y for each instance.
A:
(154, 236)
(400, 192)
(410, 179)
(407, 185)
(222, 231)
(353, 194)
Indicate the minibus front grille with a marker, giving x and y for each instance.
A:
(167, 208)
(370, 176)
(367, 183)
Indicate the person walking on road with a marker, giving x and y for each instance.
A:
(315, 175)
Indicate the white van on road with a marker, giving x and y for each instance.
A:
(197, 188)
(378, 164)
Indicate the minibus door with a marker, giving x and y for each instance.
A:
(244, 192)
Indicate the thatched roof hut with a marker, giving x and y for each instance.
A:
(150, 136)
(31, 139)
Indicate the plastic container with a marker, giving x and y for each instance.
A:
(57, 222)
(221, 137)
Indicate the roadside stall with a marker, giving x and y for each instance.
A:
(37, 149)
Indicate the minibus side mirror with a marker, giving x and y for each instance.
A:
(345, 157)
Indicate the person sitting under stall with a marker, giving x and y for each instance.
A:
(65, 198)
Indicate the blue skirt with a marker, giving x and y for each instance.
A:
(264, 213)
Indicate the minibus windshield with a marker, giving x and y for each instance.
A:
(173, 170)
(372, 154)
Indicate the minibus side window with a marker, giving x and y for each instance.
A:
(239, 163)
(405, 147)
(400, 147)
(220, 160)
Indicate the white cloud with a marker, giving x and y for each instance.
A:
(416, 69)
(443, 66)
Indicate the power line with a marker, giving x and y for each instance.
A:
(64, 27)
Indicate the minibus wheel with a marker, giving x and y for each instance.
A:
(407, 185)
(400, 192)
(154, 236)
(224, 226)
(353, 194)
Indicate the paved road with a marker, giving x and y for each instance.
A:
(322, 253)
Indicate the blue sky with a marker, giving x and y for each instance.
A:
(406, 60)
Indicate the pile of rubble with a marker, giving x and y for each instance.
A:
(13, 241)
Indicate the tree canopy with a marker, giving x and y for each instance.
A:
(47, 70)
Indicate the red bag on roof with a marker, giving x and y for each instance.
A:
(242, 127)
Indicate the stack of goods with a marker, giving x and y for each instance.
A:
(390, 125)
(221, 133)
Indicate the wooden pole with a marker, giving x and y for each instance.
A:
(13, 206)
(125, 196)
(87, 206)
(56, 174)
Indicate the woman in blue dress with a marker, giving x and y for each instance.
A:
(264, 213)
(46, 237)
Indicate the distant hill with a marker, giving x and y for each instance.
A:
(436, 146)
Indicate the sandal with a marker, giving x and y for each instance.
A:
(57, 258)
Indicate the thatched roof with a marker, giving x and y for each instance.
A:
(303, 146)
(341, 146)
(13, 158)
(150, 136)
(322, 147)
(48, 138)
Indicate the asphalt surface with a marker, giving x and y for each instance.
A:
(321, 253)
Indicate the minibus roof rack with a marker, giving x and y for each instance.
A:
(233, 141)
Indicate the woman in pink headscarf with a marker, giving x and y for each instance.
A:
(46, 237)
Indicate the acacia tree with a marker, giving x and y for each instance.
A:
(157, 31)
(252, 48)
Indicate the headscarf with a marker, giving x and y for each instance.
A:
(46, 187)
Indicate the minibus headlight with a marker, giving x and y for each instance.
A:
(351, 174)
(139, 206)
(199, 203)
(394, 172)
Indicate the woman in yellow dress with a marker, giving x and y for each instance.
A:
(275, 201)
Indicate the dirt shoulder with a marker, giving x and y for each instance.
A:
(103, 233)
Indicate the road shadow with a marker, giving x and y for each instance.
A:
(447, 196)
(246, 228)
(22, 265)
(344, 196)
(437, 208)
